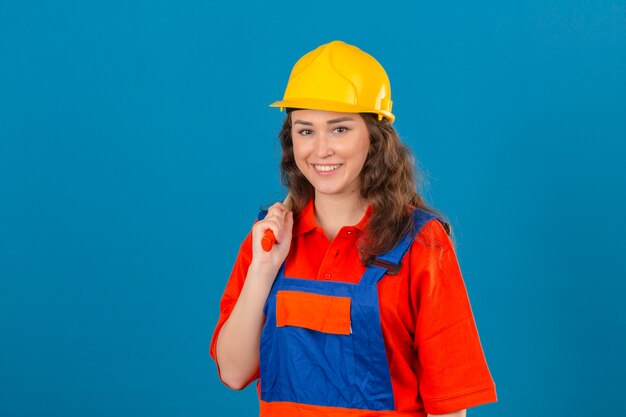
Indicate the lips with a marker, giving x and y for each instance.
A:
(325, 168)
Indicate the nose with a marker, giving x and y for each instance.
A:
(323, 145)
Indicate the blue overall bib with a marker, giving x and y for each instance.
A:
(330, 369)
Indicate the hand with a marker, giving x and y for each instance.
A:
(280, 220)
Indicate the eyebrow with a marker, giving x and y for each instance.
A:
(330, 122)
(340, 119)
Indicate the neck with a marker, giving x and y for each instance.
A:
(332, 212)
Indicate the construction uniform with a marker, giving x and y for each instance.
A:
(395, 338)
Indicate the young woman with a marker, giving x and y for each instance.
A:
(359, 308)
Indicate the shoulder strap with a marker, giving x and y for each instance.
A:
(390, 262)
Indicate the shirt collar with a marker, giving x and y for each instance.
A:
(306, 220)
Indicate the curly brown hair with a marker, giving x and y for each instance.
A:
(388, 183)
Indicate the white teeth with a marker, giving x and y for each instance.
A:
(326, 168)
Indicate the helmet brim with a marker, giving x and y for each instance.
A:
(327, 105)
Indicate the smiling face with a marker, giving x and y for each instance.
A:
(330, 149)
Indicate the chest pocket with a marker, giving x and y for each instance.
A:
(322, 313)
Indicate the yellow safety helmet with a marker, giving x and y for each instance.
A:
(338, 77)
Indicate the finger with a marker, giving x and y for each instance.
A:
(277, 209)
(279, 205)
(287, 228)
(277, 217)
(276, 214)
(262, 227)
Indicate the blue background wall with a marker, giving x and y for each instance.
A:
(136, 146)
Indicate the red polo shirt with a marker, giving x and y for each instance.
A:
(435, 358)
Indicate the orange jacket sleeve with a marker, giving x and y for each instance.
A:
(452, 370)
